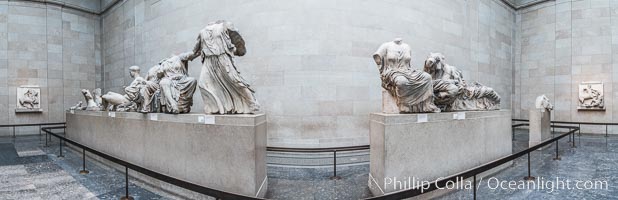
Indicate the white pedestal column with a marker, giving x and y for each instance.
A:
(540, 126)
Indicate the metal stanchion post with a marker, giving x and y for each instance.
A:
(606, 133)
(60, 156)
(474, 188)
(84, 171)
(126, 185)
(529, 177)
(557, 156)
(573, 140)
(335, 177)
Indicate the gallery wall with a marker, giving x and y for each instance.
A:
(310, 61)
(49, 46)
(562, 44)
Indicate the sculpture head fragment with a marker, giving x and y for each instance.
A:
(542, 102)
(87, 94)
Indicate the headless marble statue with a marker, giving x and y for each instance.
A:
(542, 103)
(223, 89)
(176, 86)
(410, 88)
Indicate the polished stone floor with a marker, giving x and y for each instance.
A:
(594, 161)
(315, 183)
(595, 158)
(28, 170)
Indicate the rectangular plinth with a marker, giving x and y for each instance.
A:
(540, 126)
(224, 152)
(425, 147)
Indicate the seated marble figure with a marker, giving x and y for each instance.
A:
(151, 91)
(412, 89)
(453, 93)
(168, 88)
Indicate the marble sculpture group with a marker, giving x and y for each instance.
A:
(168, 88)
(438, 87)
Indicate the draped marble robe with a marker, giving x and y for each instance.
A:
(223, 89)
(411, 88)
(453, 93)
(149, 90)
(177, 87)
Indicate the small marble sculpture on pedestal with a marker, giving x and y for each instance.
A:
(411, 90)
(453, 93)
(223, 89)
(540, 121)
(28, 99)
(591, 96)
(542, 103)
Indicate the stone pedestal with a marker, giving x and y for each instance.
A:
(425, 147)
(389, 103)
(540, 126)
(224, 152)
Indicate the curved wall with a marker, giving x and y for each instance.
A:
(310, 61)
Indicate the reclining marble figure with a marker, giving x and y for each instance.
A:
(412, 89)
(222, 88)
(77, 106)
(131, 101)
(453, 93)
